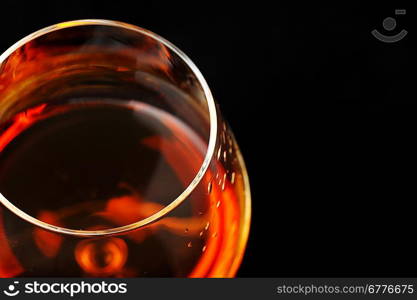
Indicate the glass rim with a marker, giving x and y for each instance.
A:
(186, 192)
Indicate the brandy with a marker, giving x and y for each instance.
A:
(92, 140)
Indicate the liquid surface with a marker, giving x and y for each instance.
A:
(103, 164)
(86, 156)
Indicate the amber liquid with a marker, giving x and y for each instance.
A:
(101, 164)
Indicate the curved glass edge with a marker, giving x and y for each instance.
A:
(200, 174)
(246, 219)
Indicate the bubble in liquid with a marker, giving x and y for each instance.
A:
(219, 153)
(224, 182)
(233, 177)
(210, 187)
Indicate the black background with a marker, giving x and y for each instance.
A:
(324, 113)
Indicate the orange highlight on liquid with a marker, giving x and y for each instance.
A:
(9, 264)
(102, 256)
(48, 242)
(20, 122)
